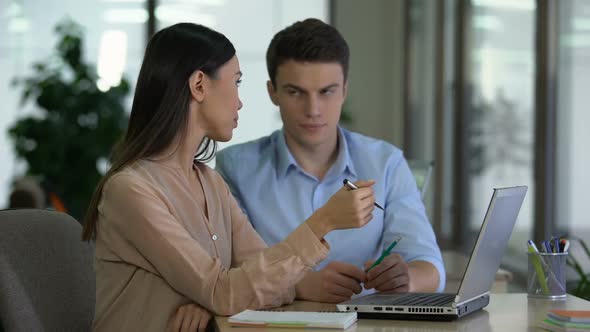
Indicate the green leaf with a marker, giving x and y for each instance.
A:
(79, 124)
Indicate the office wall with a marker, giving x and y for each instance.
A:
(374, 31)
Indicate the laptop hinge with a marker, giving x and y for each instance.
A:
(458, 299)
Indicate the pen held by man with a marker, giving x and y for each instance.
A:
(391, 275)
(394, 274)
(385, 253)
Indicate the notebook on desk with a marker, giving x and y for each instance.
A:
(293, 319)
(477, 280)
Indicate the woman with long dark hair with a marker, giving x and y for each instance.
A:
(168, 231)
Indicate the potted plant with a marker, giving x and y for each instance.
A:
(580, 287)
(75, 124)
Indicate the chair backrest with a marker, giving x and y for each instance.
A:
(422, 170)
(47, 281)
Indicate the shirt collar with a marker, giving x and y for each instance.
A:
(342, 164)
(284, 158)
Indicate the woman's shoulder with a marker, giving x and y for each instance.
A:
(127, 187)
(128, 178)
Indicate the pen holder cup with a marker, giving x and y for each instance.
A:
(546, 275)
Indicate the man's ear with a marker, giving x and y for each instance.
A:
(272, 93)
(345, 89)
(196, 84)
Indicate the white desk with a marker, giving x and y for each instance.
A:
(509, 312)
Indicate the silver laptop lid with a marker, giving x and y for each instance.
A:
(491, 243)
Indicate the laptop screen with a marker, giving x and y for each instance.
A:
(491, 243)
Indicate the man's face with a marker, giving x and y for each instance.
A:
(310, 97)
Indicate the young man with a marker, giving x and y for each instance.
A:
(282, 178)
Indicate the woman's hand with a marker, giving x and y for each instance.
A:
(189, 317)
(345, 209)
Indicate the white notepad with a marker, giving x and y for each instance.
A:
(330, 320)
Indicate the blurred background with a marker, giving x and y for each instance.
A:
(491, 92)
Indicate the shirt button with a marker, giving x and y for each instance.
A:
(214, 237)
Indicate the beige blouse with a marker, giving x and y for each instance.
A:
(157, 249)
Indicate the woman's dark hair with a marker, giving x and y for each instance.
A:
(161, 102)
(310, 40)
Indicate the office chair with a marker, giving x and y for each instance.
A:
(422, 170)
(47, 281)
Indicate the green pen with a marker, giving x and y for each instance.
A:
(385, 253)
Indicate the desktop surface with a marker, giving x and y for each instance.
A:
(506, 312)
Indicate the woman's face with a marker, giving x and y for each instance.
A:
(221, 103)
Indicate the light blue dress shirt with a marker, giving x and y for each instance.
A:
(278, 195)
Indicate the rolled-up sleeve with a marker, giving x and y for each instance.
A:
(138, 213)
(405, 216)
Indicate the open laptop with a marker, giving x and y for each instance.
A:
(477, 281)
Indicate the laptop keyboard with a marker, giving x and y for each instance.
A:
(415, 299)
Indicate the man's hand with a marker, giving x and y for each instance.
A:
(392, 274)
(189, 317)
(336, 283)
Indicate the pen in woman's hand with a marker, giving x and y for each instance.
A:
(351, 186)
